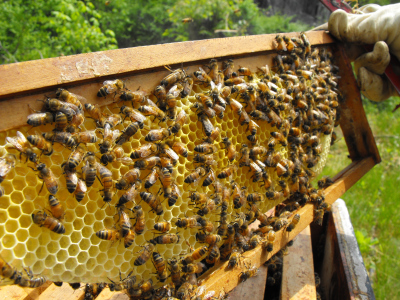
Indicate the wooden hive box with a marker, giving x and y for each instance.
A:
(24, 83)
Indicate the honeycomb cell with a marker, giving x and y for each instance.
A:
(67, 276)
(73, 250)
(14, 212)
(50, 261)
(65, 241)
(71, 263)
(31, 180)
(62, 255)
(80, 270)
(3, 216)
(20, 250)
(4, 203)
(53, 247)
(99, 215)
(82, 257)
(19, 183)
(58, 269)
(84, 244)
(38, 267)
(91, 264)
(80, 211)
(11, 226)
(8, 241)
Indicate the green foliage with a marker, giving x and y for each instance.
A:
(373, 202)
(224, 18)
(41, 29)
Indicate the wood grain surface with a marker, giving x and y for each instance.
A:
(35, 75)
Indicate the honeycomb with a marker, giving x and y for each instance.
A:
(79, 255)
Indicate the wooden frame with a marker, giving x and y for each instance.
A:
(22, 83)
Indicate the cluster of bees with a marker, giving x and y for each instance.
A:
(297, 98)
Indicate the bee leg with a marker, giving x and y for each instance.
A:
(41, 188)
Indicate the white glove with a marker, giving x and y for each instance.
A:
(372, 24)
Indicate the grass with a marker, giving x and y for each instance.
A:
(374, 201)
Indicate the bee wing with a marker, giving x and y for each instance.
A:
(4, 168)
(15, 142)
(254, 123)
(181, 117)
(174, 91)
(137, 116)
(151, 103)
(82, 186)
(115, 134)
(255, 167)
(153, 176)
(213, 86)
(72, 106)
(127, 161)
(110, 84)
(146, 150)
(171, 153)
(235, 103)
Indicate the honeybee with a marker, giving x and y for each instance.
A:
(156, 135)
(85, 137)
(231, 151)
(227, 66)
(108, 234)
(42, 219)
(273, 195)
(129, 238)
(6, 164)
(250, 272)
(173, 94)
(258, 150)
(94, 112)
(174, 77)
(129, 131)
(56, 208)
(195, 255)
(319, 216)
(180, 121)
(69, 97)
(254, 241)
(128, 178)
(38, 119)
(207, 226)
(31, 281)
(55, 105)
(187, 87)
(151, 178)
(236, 106)
(147, 163)
(89, 169)
(124, 222)
(210, 178)
(205, 148)
(228, 171)
(245, 158)
(202, 76)
(71, 178)
(175, 271)
(162, 226)
(195, 176)
(22, 145)
(76, 157)
(201, 109)
(206, 159)
(140, 219)
(153, 202)
(111, 86)
(166, 180)
(325, 182)
(239, 197)
(179, 148)
(268, 244)
(39, 142)
(294, 222)
(130, 194)
(210, 239)
(80, 191)
(152, 110)
(134, 97)
(280, 44)
(190, 222)
(64, 138)
(106, 181)
(115, 154)
(48, 178)
(208, 127)
(92, 290)
(214, 135)
(257, 172)
(167, 238)
(174, 194)
(272, 159)
(8, 271)
(61, 121)
(234, 80)
(133, 115)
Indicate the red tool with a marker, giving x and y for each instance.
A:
(394, 78)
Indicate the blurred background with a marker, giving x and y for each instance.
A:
(41, 29)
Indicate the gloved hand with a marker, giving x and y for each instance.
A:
(372, 24)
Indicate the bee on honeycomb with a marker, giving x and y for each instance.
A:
(193, 143)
